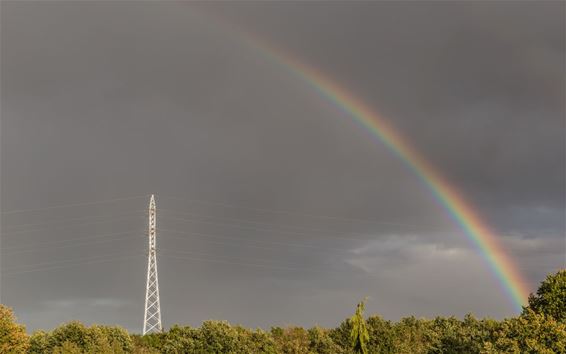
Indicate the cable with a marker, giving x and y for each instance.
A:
(263, 230)
(224, 243)
(263, 265)
(213, 255)
(96, 242)
(71, 219)
(72, 239)
(71, 265)
(62, 262)
(281, 227)
(73, 205)
(316, 248)
(272, 211)
(59, 227)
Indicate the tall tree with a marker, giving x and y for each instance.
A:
(359, 335)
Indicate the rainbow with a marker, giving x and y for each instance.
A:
(459, 210)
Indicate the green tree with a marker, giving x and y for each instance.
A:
(71, 335)
(321, 343)
(260, 342)
(13, 337)
(359, 335)
(452, 336)
(380, 334)
(68, 348)
(341, 335)
(414, 336)
(550, 298)
(291, 340)
(217, 337)
(74, 337)
(177, 340)
(530, 333)
(151, 342)
(39, 342)
(116, 337)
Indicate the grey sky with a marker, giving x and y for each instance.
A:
(105, 100)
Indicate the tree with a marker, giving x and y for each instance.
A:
(530, 333)
(117, 338)
(550, 298)
(216, 337)
(74, 334)
(76, 337)
(39, 342)
(13, 337)
(68, 348)
(380, 334)
(414, 336)
(321, 343)
(359, 335)
(291, 340)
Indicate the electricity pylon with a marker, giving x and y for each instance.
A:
(152, 313)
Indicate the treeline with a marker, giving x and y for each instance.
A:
(541, 328)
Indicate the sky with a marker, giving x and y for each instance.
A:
(273, 206)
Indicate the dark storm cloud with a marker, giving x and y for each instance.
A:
(478, 87)
(103, 100)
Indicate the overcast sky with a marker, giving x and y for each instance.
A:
(274, 207)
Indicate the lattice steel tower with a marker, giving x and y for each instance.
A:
(152, 313)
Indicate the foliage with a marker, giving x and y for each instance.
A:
(550, 298)
(216, 337)
(380, 335)
(541, 328)
(116, 337)
(39, 342)
(74, 337)
(412, 335)
(529, 333)
(291, 340)
(359, 335)
(149, 343)
(321, 342)
(13, 337)
(68, 348)
(341, 335)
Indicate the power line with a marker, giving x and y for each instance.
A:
(81, 238)
(92, 242)
(59, 227)
(72, 205)
(73, 265)
(264, 230)
(70, 219)
(239, 239)
(256, 265)
(61, 262)
(273, 211)
(215, 255)
(281, 227)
